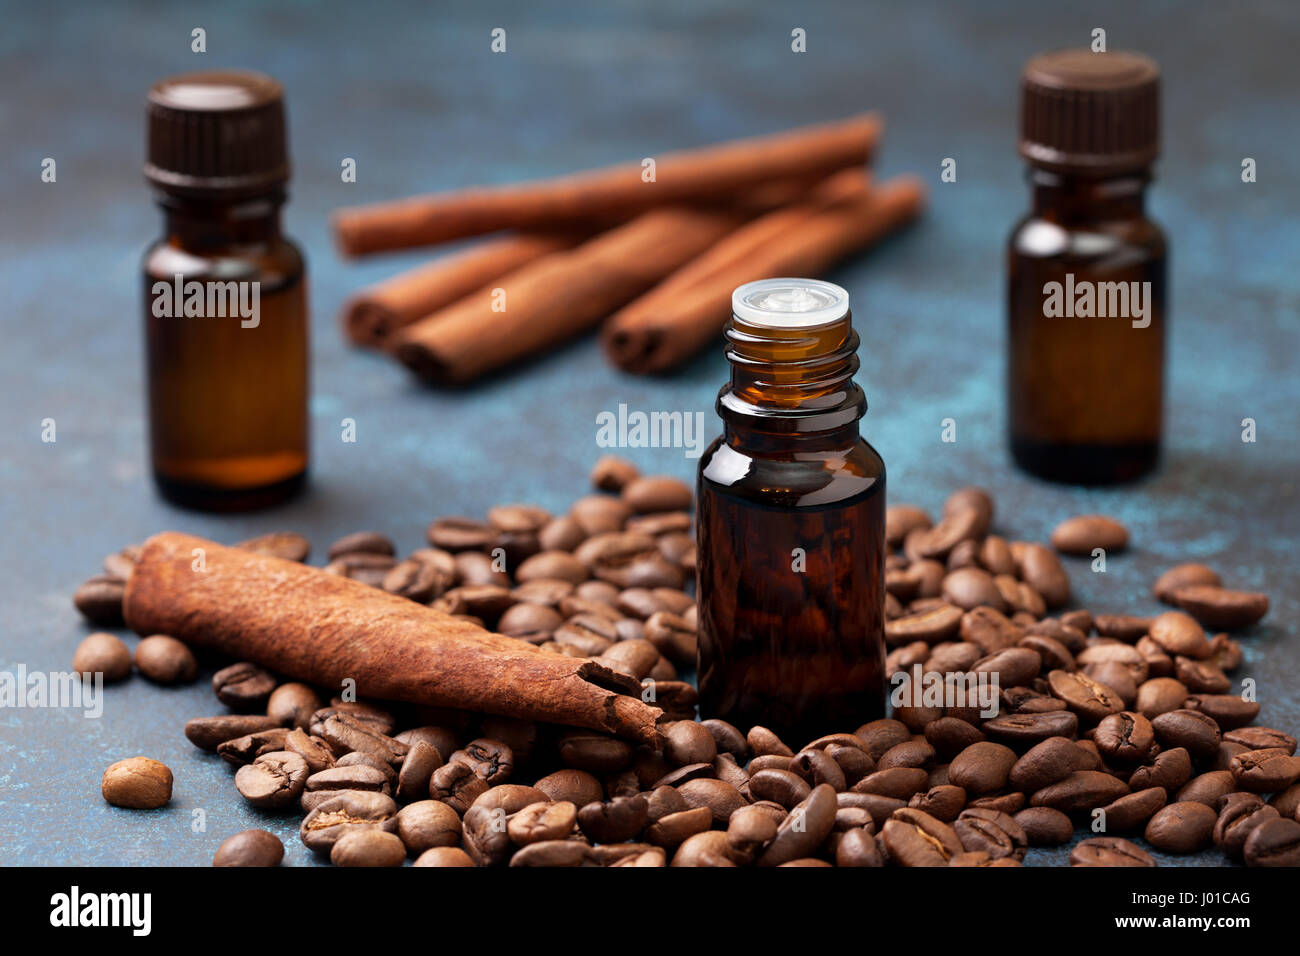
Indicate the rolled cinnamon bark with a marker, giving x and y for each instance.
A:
(376, 312)
(556, 297)
(675, 320)
(709, 174)
(312, 626)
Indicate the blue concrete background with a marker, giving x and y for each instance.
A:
(412, 92)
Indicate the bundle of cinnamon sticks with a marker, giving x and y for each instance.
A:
(648, 250)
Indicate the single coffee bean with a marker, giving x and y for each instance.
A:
(1044, 826)
(1085, 533)
(1241, 814)
(931, 626)
(1133, 810)
(1273, 843)
(916, 839)
(1220, 607)
(671, 831)
(420, 580)
(1227, 710)
(346, 732)
(900, 520)
(285, 545)
(273, 780)
(361, 542)
(969, 587)
(611, 473)
(1262, 738)
(137, 783)
(246, 749)
(600, 514)
(1265, 771)
(991, 832)
(1160, 695)
(614, 821)
(165, 660)
(457, 785)
(426, 824)
(292, 705)
(456, 534)
(102, 654)
(444, 856)
(1109, 851)
(982, 768)
(808, 824)
(1181, 576)
(313, 750)
(897, 782)
(1031, 728)
(1201, 677)
(1195, 732)
(1126, 737)
(551, 853)
(936, 542)
(1179, 633)
(1127, 628)
(943, 802)
(367, 847)
(539, 822)
(1041, 569)
(243, 687)
(1084, 696)
(1081, 791)
(575, 786)
(1183, 827)
(250, 848)
(1208, 788)
(657, 493)
(347, 810)
(207, 733)
(100, 600)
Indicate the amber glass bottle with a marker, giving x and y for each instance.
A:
(226, 326)
(791, 523)
(1086, 291)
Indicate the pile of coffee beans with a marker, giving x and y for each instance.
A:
(1121, 725)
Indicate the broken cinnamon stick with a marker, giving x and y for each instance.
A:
(320, 628)
(709, 174)
(554, 298)
(673, 322)
(376, 312)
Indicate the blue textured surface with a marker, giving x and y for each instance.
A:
(418, 100)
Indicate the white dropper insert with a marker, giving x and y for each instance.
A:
(789, 303)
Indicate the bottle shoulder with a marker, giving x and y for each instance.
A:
(796, 478)
(278, 262)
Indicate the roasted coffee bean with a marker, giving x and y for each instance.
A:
(250, 848)
(1265, 771)
(1126, 737)
(1014, 666)
(937, 541)
(346, 732)
(165, 660)
(1084, 696)
(249, 747)
(1195, 732)
(100, 600)
(913, 838)
(671, 830)
(367, 847)
(1222, 608)
(1201, 677)
(1085, 533)
(1179, 633)
(361, 542)
(1115, 653)
(1044, 826)
(376, 717)
(1287, 802)
(1109, 851)
(1208, 788)
(1031, 728)
(346, 811)
(286, 545)
(931, 626)
(704, 849)
(362, 566)
(273, 780)
(910, 753)
(1133, 810)
(600, 514)
(969, 587)
(1241, 814)
(243, 687)
(900, 520)
(748, 830)
(991, 832)
(763, 742)
(817, 766)
(1273, 843)
(457, 785)
(551, 853)
(982, 767)
(1081, 791)
(1041, 569)
(727, 738)
(444, 856)
(614, 821)
(611, 473)
(461, 534)
(539, 822)
(1223, 758)
(1183, 827)
(780, 786)
(943, 802)
(575, 786)
(292, 705)
(949, 736)
(990, 630)
(421, 581)
(1227, 710)
(1262, 738)
(897, 782)
(102, 654)
(806, 827)
(686, 742)
(313, 750)
(650, 493)
(426, 824)
(1225, 653)
(1181, 576)
(659, 523)
(421, 760)
(593, 752)
(137, 783)
(208, 733)
(1160, 695)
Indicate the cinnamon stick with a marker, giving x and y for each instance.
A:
(374, 313)
(312, 626)
(709, 174)
(673, 322)
(558, 296)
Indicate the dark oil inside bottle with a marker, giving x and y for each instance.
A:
(228, 403)
(791, 516)
(1085, 394)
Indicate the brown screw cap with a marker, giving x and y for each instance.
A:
(218, 133)
(1090, 113)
